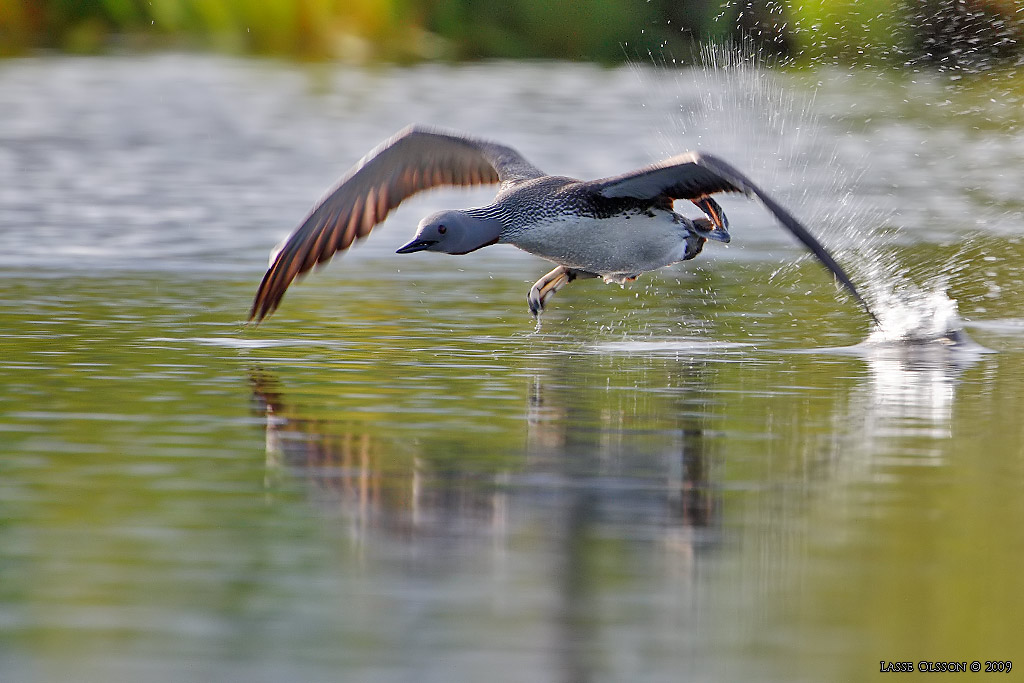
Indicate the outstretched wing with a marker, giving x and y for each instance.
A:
(415, 159)
(693, 176)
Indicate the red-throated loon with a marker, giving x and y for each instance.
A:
(615, 228)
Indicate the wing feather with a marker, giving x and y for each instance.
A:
(414, 160)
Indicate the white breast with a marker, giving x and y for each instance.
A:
(614, 248)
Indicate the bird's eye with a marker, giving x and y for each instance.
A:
(441, 229)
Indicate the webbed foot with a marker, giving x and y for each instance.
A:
(718, 228)
(546, 287)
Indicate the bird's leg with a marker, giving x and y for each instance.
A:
(720, 229)
(546, 287)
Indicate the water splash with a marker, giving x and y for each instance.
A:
(784, 147)
(913, 305)
(788, 148)
(915, 315)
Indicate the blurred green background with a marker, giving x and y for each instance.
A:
(948, 33)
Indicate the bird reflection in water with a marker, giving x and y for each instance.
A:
(660, 476)
(605, 476)
(372, 480)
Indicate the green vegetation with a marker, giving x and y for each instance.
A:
(944, 32)
(356, 30)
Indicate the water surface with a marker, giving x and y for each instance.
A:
(398, 478)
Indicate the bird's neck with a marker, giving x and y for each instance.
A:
(485, 213)
(489, 219)
(487, 228)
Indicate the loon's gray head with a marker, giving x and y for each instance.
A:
(453, 232)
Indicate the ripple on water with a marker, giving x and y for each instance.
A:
(671, 346)
(1000, 326)
(242, 343)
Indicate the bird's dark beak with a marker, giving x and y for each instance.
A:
(416, 245)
